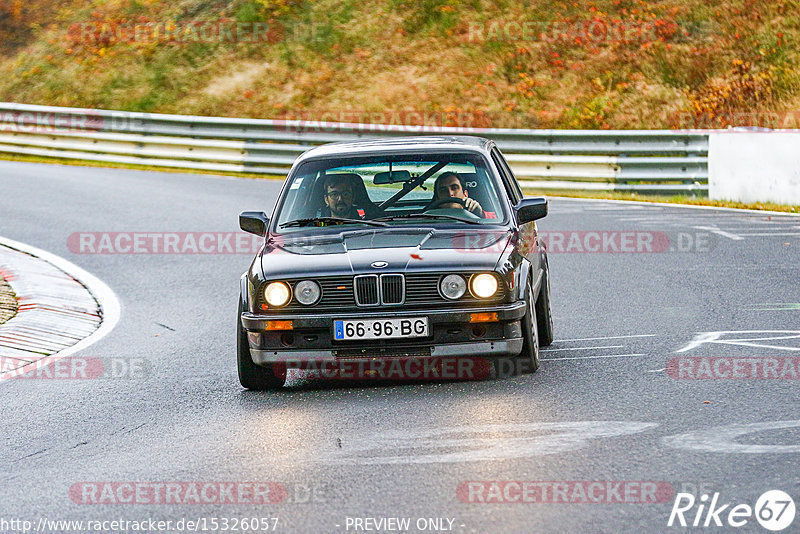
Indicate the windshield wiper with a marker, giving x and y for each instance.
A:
(427, 216)
(304, 222)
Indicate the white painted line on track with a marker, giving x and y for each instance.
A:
(723, 233)
(725, 439)
(669, 205)
(771, 338)
(440, 444)
(751, 222)
(584, 348)
(757, 346)
(638, 219)
(769, 234)
(657, 370)
(717, 338)
(589, 357)
(612, 208)
(606, 337)
(762, 230)
(109, 304)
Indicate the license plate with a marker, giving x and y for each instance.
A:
(380, 328)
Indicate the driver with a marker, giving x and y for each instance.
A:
(449, 184)
(338, 191)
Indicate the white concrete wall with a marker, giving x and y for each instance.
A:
(754, 167)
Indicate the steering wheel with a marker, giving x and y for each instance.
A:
(461, 211)
(449, 200)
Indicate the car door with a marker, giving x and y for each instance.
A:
(528, 234)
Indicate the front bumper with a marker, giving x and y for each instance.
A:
(451, 335)
(510, 347)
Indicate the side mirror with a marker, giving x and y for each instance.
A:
(531, 209)
(254, 222)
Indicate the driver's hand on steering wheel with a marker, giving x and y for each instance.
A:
(472, 205)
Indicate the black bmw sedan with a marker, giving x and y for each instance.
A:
(401, 251)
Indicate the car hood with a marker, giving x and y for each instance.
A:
(354, 252)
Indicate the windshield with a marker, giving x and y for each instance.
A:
(400, 190)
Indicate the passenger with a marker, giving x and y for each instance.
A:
(338, 191)
(449, 184)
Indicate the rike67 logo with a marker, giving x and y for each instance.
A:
(774, 510)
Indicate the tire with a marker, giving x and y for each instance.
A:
(252, 376)
(544, 316)
(529, 357)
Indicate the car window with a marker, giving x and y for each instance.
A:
(508, 180)
(391, 187)
(512, 180)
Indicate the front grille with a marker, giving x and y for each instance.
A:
(348, 293)
(367, 290)
(373, 289)
(423, 289)
(384, 352)
(392, 286)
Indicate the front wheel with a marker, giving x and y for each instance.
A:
(544, 316)
(529, 357)
(252, 376)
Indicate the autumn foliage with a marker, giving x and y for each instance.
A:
(526, 64)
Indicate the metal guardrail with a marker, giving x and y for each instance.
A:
(656, 161)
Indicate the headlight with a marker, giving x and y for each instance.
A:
(453, 286)
(307, 292)
(483, 285)
(277, 294)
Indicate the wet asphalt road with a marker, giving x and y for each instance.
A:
(603, 406)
